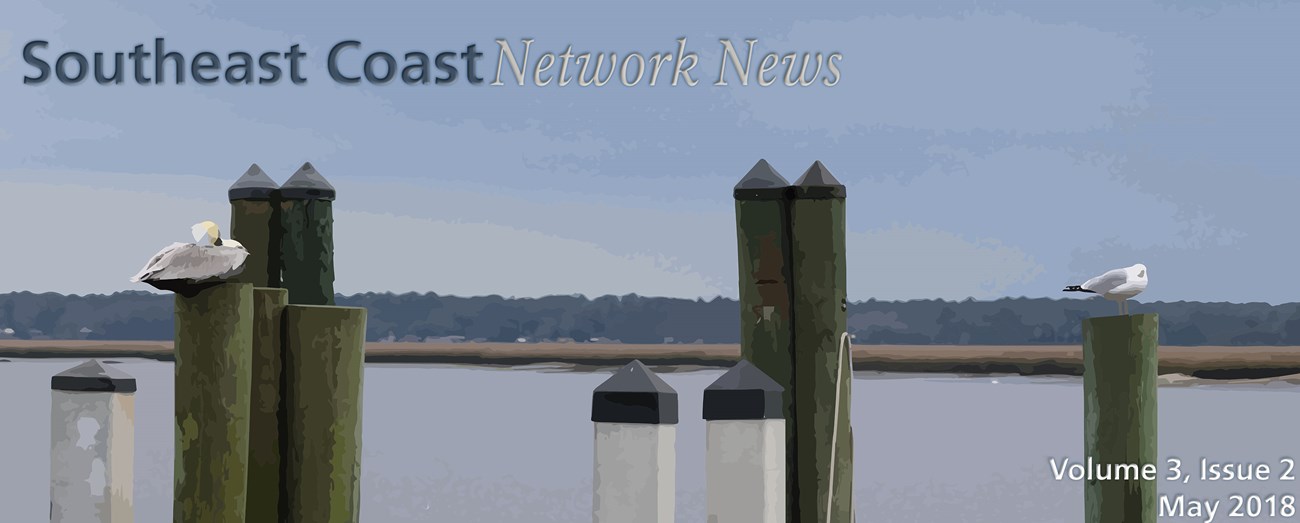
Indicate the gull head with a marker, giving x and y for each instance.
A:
(1139, 271)
(205, 233)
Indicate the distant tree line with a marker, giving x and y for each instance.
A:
(635, 319)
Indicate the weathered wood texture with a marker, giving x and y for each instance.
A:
(266, 422)
(214, 348)
(819, 268)
(324, 355)
(256, 225)
(1119, 414)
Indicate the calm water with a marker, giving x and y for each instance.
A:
(469, 444)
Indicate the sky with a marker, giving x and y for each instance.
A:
(989, 149)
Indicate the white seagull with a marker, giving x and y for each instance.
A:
(189, 267)
(1118, 285)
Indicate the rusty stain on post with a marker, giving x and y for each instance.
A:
(766, 336)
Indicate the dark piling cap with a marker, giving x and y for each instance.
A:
(92, 376)
(761, 183)
(634, 394)
(253, 185)
(818, 184)
(744, 392)
(307, 184)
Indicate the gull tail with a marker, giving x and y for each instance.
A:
(1076, 288)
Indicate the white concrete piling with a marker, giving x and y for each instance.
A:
(745, 447)
(92, 445)
(635, 415)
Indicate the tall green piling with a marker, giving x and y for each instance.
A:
(307, 237)
(255, 223)
(265, 436)
(1119, 414)
(324, 355)
(766, 337)
(213, 351)
(822, 373)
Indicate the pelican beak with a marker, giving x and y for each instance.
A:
(214, 234)
(205, 233)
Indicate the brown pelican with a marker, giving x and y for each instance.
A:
(1118, 285)
(189, 267)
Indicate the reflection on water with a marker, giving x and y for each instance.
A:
(466, 444)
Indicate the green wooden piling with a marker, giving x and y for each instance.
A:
(264, 429)
(324, 352)
(213, 351)
(1119, 414)
(818, 264)
(255, 223)
(766, 337)
(307, 237)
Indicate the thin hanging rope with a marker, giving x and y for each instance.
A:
(835, 424)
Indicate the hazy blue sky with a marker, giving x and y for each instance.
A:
(989, 148)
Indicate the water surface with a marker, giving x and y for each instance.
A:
(477, 444)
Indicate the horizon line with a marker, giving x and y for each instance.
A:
(717, 297)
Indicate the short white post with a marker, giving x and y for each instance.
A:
(635, 415)
(92, 445)
(744, 459)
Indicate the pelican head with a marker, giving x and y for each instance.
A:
(206, 233)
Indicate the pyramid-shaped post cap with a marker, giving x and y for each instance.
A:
(744, 392)
(762, 182)
(634, 394)
(307, 184)
(253, 185)
(93, 376)
(818, 183)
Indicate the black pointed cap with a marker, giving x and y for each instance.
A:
(307, 184)
(761, 183)
(744, 392)
(253, 185)
(818, 183)
(93, 376)
(634, 394)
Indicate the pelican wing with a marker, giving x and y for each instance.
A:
(193, 262)
(235, 258)
(153, 265)
(1106, 283)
